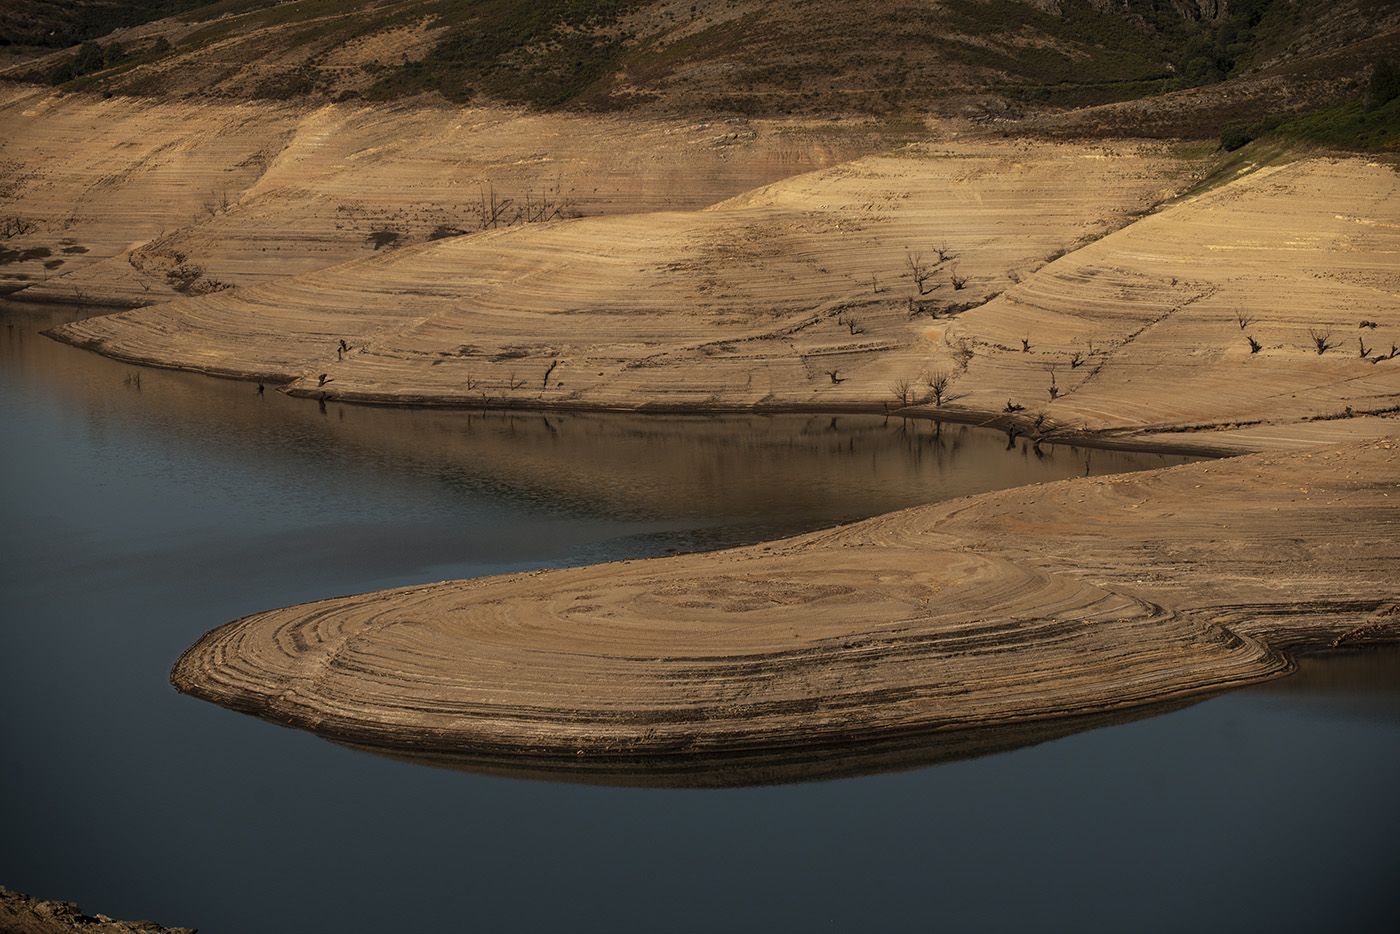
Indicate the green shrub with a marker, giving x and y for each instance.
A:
(89, 59)
(1235, 137)
(1384, 85)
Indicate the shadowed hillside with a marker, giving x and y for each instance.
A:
(980, 57)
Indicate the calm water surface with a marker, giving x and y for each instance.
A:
(141, 508)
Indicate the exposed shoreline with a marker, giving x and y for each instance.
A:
(1089, 293)
(999, 421)
(951, 617)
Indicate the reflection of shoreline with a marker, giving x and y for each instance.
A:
(1361, 683)
(804, 470)
(858, 757)
(1016, 425)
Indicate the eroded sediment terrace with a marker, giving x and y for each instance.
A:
(1018, 609)
(1077, 290)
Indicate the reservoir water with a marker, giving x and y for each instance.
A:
(140, 508)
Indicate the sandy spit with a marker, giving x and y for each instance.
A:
(1018, 610)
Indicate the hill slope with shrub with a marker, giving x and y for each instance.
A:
(982, 58)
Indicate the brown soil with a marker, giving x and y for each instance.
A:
(1085, 312)
(20, 914)
(1023, 607)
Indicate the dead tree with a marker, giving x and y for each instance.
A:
(1365, 351)
(1054, 389)
(1012, 407)
(938, 386)
(544, 384)
(1254, 345)
(853, 325)
(834, 377)
(15, 226)
(902, 390)
(920, 272)
(1025, 345)
(959, 282)
(535, 212)
(1076, 360)
(493, 210)
(1322, 341)
(1244, 319)
(944, 254)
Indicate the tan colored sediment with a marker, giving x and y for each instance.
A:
(766, 299)
(749, 303)
(1075, 598)
(773, 285)
(253, 192)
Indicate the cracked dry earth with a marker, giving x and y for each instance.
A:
(932, 632)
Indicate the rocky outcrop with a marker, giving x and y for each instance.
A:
(21, 914)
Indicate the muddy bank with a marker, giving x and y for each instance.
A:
(1017, 608)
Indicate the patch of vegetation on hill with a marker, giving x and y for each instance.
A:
(94, 62)
(1215, 51)
(1368, 123)
(1145, 46)
(62, 23)
(1371, 123)
(91, 57)
(543, 52)
(1350, 126)
(873, 56)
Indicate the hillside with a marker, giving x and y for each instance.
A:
(981, 57)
